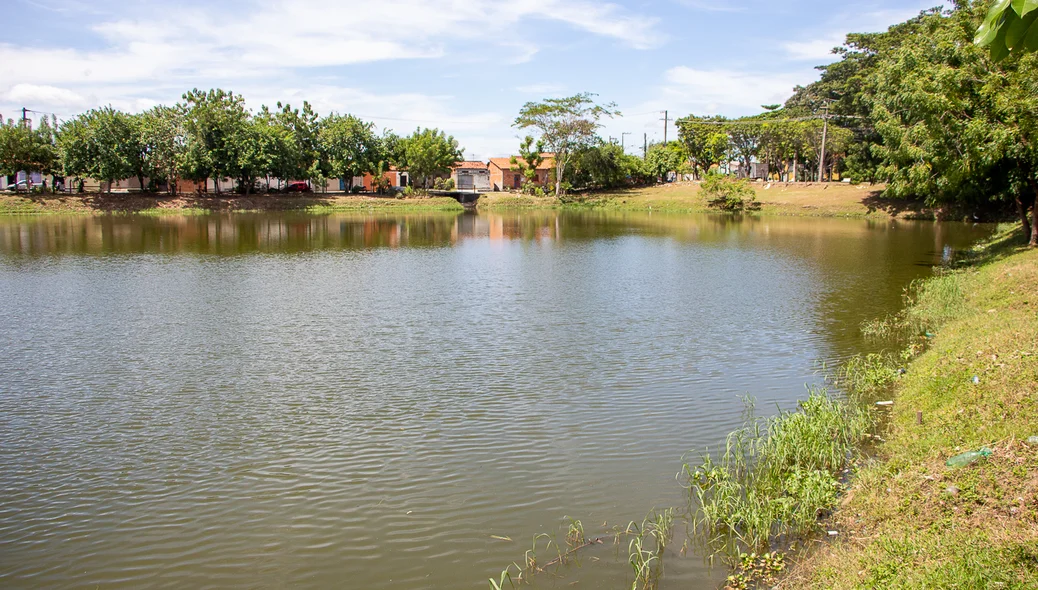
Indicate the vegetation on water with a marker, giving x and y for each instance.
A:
(911, 521)
(776, 477)
(646, 542)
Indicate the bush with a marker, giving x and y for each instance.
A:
(443, 184)
(729, 194)
(356, 189)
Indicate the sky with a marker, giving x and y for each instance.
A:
(465, 66)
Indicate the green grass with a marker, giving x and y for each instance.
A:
(775, 477)
(912, 522)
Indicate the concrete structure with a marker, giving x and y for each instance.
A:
(471, 176)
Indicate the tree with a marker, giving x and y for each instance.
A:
(955, 126)
(663, 158)
(102, 144)
(216, 123)
(24, 148)
(565, 125)
(162, 133)
(705, 139)
(531, 156)
(1010, 26)
(430, 152)
(350, 146)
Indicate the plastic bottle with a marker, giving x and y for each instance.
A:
(968, 458)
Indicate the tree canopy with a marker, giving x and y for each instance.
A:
(565, 125)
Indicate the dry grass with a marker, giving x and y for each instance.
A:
(912, 522)
(813, 199)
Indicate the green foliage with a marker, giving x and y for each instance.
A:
(102, 143)
(1010, 26)
(605, 166)
(729, 194)
(776, 476)
(565, 125)
(24, 148)
(756, 571)
(430, 152)
(162, 133)
(664, 158)
(706, 142)
(349, 146)
(530, 158)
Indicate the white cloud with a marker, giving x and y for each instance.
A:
(729, 92)
(47, 96)
(817, 51)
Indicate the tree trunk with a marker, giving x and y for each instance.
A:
(140, 182)
(1022, 212)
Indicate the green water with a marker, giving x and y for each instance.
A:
(281, 400)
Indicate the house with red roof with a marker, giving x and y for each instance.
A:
(503, 177)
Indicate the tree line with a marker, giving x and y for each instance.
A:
(943, 108)
(212, 135)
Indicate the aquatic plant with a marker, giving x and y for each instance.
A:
(775, 477)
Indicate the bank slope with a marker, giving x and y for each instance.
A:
(911, 522)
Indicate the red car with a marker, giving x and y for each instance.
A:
(297, 186)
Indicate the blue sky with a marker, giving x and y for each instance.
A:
(466, 66)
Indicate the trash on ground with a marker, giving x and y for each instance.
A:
(968, 458)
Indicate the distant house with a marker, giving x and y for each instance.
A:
(469, 176)
(397, 177)
(503, 177)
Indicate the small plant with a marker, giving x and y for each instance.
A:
(729, 194)
(776, 476)
(752, 571)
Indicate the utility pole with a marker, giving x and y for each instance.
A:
(645, 145)
(666, 123)
(622, 149)
(25, 116)
(825, 131)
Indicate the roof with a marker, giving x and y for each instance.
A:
(479, 165)
(506, 163)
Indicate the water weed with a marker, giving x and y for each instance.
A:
(775, 477)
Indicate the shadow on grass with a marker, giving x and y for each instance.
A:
(875, 201)
(137, 202)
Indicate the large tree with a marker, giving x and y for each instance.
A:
(565, 125)
(350, 146)
(162, 132)
(217, 125)
(956, 127)
(25, 148)
(430, 152)
(102, 144)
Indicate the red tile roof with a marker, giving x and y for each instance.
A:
(479, 165)
(506, 163)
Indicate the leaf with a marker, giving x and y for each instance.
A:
(1023, 7)
(992, 23)
(1017, 30)
(999, 49)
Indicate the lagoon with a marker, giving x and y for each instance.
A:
(381, 401)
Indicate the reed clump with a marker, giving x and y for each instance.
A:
(775, 477)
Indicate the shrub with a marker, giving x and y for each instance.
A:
(729, 194)
(356, 189)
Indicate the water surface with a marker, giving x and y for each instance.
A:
(282, 400)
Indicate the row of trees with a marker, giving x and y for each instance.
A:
(212, 135)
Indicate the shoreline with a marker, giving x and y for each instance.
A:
(776, 199)
(909, 519)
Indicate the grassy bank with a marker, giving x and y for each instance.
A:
(909, 521)
(193, 204)
(809, 199)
